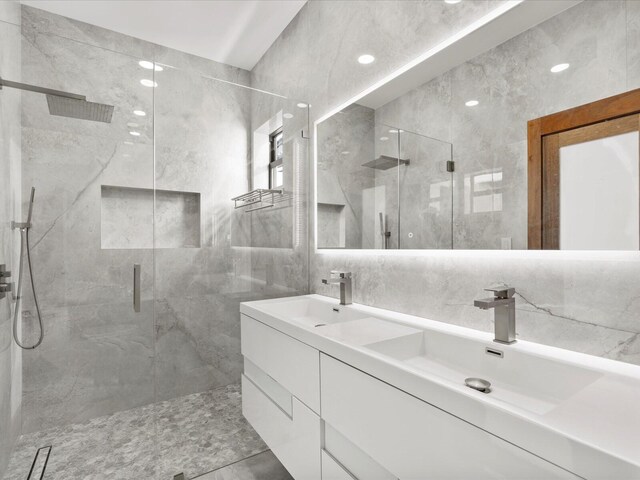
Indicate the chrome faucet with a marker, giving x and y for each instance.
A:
(505, 312)
(344, 279)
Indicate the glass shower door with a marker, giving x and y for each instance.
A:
(426, 192)
(87, 387)
(213, 143)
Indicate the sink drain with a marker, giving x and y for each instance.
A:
(478, 384)
(320, 325)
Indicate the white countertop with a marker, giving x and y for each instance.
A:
(593, 431)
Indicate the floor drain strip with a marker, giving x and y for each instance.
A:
(39, 465)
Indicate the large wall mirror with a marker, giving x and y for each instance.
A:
(520, 133)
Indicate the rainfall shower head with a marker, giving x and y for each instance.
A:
(65, 104)
(81, 109)
(384, 162)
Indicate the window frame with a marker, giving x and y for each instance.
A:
(274, 162)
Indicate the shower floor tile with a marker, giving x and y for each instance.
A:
(192, 434)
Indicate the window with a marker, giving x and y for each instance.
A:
(483, 192)
(276, 168)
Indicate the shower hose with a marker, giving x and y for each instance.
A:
(24, 240)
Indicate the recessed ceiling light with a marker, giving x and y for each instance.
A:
(384, 139)
(346, 152)
(366, 59)
(472, 103)
(150, 65)
(134, 133)
(452, 2)
(287, 115)
(132, 125)
(140, 113)
(560, 67)
(393, 131)
(148, 83)
(302, 105)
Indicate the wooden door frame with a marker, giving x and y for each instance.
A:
(627, 103)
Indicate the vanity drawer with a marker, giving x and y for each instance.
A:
(294, 439)
(412, 439)
(332, 470)
(291, 363)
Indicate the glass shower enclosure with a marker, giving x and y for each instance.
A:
(140, 258)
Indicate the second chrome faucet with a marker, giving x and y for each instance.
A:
(344, 280)
(505, 312)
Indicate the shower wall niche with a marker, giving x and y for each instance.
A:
(127, 217)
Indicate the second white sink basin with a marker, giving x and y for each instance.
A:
(522, 380)
(311, 312)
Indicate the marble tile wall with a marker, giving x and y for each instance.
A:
(279, 235)
(274, 227)
(347, 140)
(202, 145)
(587, 303)
(10, 209)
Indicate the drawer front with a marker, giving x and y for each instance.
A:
(332, 470)
(291, 363)
(351, 458)
(414, 440)
(294, 440)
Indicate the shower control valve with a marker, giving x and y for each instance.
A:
(4, 273)
(4, 286)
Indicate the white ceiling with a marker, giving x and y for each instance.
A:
(235, 32)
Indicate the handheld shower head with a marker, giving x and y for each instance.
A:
(26, 225)
(33, 194)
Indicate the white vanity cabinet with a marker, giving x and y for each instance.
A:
(359, 393)
(281, 396)
(414, 440)
(372, 430)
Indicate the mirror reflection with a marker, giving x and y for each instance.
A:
(380, 186)
(519, 137)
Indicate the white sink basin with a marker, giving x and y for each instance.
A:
(522, 380)
(310, 312)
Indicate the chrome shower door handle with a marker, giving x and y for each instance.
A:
(136, 287)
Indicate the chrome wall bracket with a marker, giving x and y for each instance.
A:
(19, 225)
(36, 89)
